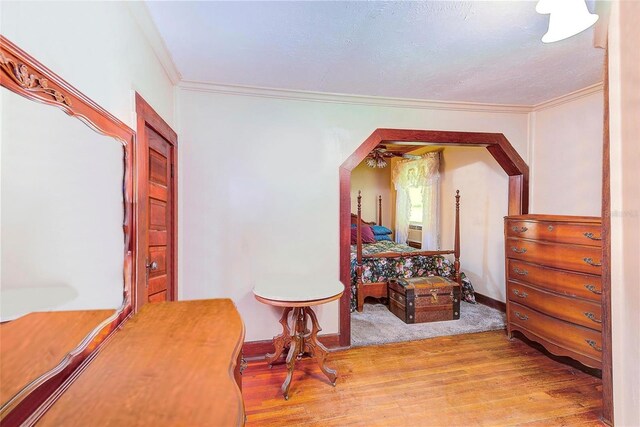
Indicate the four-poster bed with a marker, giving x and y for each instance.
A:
(374, 263)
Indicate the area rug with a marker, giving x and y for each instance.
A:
(377, 325)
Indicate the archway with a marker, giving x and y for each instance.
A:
(496, 143)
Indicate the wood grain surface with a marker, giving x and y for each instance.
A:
(587, 233)
(37, 343)
(172, 364)
(569, 283)
(550, 299)
(577, 258)
(557, 336)
(574, 310)
(607, 354)
(462, 380)
(157, 208)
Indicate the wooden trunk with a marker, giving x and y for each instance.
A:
(424, 299)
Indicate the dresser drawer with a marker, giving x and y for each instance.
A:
(585, 259)
(576, 339)
(559, 281)
(559, 232)
(572, 310)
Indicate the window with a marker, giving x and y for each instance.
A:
(415, 196)
(417, 184)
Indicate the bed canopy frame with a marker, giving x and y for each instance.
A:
(379, 289)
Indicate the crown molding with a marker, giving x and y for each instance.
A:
(334, 98)
(141, 15)
(573, 96)
(380, 101)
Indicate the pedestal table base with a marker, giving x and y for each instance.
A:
(300, 342)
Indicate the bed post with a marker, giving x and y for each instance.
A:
(380, 210)
(456, 248)
(359, 229)
(359, 254)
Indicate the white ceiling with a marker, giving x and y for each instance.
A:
(438, 50)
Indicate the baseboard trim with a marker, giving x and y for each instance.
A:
(255, 350)
(490, 302)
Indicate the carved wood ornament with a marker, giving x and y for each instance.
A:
(20, 74)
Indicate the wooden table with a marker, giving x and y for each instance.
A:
(173, 363)
(299, 340)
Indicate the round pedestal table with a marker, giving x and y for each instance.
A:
(298, 339)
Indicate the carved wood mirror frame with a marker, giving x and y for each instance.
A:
(24, 75)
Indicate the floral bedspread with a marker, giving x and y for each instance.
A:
(381, 269)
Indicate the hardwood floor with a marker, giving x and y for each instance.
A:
(463, 380)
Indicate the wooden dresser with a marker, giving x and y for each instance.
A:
(173, 363)
(553, 267)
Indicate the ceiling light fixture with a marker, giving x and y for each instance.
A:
(566, 18)
(376, 159)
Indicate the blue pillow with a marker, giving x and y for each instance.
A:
(381, 237)
(380, 230)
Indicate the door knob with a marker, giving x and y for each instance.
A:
(152, 266)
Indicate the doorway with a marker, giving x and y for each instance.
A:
(157, 212)
(497, 145)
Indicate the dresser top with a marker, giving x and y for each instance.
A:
(51, 336)
(556, 218)
(171, 364)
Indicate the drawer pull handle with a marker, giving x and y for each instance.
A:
(243, 365)
(520, 272)
(518, 250)
(591, 236)
(520, 294)
(519, 229)
(593, 289)
(521, 316)
(593, 344)
(550, 228)
(590, 262)
(592, 317)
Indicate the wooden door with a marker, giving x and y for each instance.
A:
(157, 208)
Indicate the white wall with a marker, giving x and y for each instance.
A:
(483, 189)
(260, 190)
(99, 48)
(566, 165)
(96, 46)
(624, 79)
(373, 182)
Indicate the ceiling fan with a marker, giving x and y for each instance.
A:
(377, 158)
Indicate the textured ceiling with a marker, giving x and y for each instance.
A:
(452, 51)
